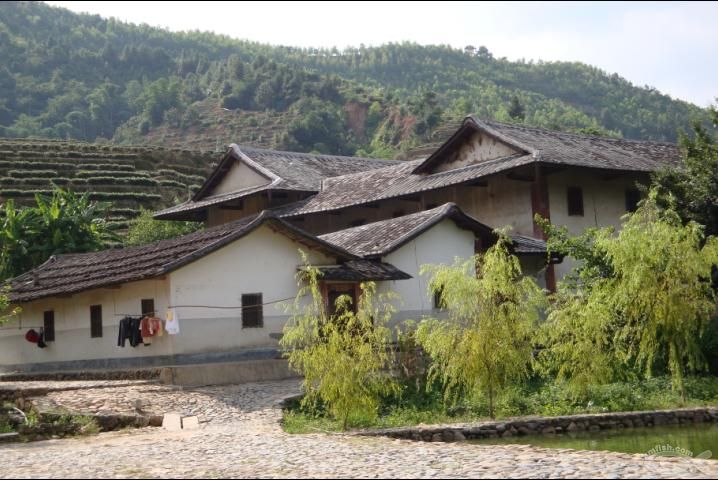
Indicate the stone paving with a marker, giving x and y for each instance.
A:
(241, 437)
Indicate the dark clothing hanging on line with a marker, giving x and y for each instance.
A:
(130, 331)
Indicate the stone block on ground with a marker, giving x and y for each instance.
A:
(190, 423)
(172, 422)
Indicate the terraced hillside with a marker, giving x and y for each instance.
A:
(211, 127)
(129, 177)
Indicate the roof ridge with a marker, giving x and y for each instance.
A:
(571, 134)
(307, 154)
(397, 164)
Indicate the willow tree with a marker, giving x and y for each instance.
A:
(650, 312)
(345, 358)
(662, 289)
(486, 342)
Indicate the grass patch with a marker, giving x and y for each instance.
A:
(415, 407)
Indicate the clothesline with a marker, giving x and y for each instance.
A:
(221, 307)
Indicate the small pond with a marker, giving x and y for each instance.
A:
(697, 440)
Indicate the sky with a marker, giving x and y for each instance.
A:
(672, 46)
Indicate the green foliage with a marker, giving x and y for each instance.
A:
(57, 67)
(693, 189)
(492, 309)
(7, 313)
(529, 398)
(145, 229)
(62, 223)
(649, 313)
(516, 110)
(343, 357)
(592, 264)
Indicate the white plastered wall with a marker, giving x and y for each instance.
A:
(72, 325)
(441, 244)
(604, 203)
(261, 262)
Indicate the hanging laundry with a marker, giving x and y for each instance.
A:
(41, 341)
(32, 336)
(172, 323)
(129, 330)
(150, 327)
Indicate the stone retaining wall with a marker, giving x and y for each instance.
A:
(549, 425)
(140, 374)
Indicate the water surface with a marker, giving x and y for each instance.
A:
(695, 440)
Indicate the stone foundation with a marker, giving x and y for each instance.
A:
(549, 425)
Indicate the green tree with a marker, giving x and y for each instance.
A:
(145, 229)
(493, 309)
(63, 223)
(6, 311)
(693, 188)
(344, 358)
(516, 110)
(649, 313)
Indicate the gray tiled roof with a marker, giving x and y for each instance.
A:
(362, 270)
(394, 181)
(67, 274)
(534, 145)
(590, 150)
(286, 171)
(378, 239)
(305, 171)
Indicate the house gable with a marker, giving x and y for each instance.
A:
(472, 144)
(239, 176)
(478, 147)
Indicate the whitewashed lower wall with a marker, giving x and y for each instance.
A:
(72, 326)
(262, 262)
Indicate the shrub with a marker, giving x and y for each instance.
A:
(343, 357)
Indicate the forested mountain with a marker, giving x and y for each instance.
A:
(73, 76)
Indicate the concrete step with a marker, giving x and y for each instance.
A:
(246, 371)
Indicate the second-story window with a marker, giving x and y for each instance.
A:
(633, 196)
(575, 201)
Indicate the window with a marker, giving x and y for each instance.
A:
(148, 307)
(95, 321)
(575, 201)
(48, 325)
(252, 311)
(633, 196)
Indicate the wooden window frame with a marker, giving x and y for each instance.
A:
(574, 202)
(48, 325)
(95, 321)
(254, 308)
